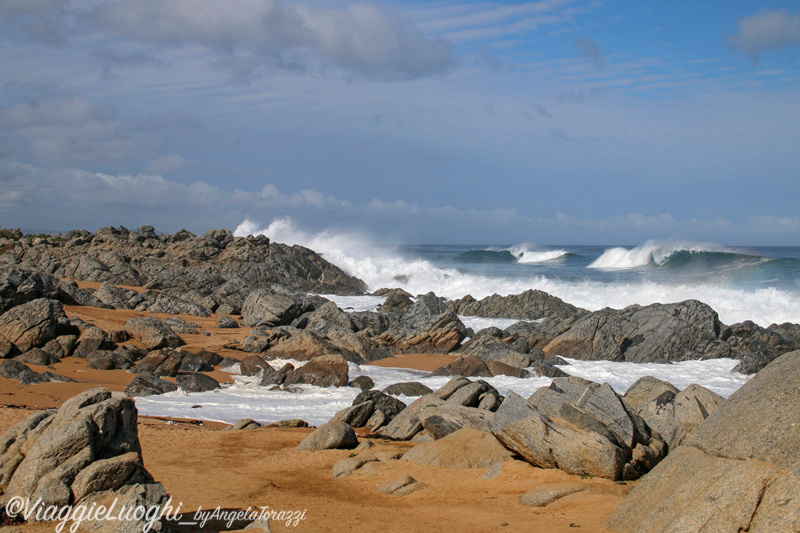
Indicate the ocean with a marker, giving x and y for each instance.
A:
(741, 283)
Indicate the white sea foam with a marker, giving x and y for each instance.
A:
(651, 252)
(525, 253)
(381, 267)
(316, 405)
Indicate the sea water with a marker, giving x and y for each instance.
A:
(761, 284)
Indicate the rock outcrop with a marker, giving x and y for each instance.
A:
(85, 452)
(738, 471)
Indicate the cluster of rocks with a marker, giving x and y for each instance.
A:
(268, 284)
(194, 275)
(85, 453)
(575, 425)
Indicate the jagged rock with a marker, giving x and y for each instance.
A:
(271, 308)
(164, 363)
(149, 385)
(469, 395)
(193, 363)
(411, 388)
(37, 356)
(62, 346)
(181, 326)
(406, 424)
(442, 420)
(580, 427)
(648, 389)
(226, 322)
(20, 285)
(356, 415)
(396, 300)
(674, 332)
(362, 382)
(447, 390)
(165, 303)
(738, 471)
(529, 305)
(388, 405)
(324, 317)
(153, 333)
(425, 327)
(85, 451)
(465, 448)
(323, 371)
(487, 348)
(111, 295)
(32, 324)
(196, 382)
(332, 435)
(254, 365)
(91, 339)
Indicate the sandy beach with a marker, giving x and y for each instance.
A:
(202, 466)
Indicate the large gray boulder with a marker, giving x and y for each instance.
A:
(580, 427)
(32, 324)
(85, 451)
(153, 333)
(428, 326)
(488, 348)
(21, 285)
(323, 371)
(271, 307)
(674, 332)
(738, 471)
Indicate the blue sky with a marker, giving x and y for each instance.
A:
(557, 121)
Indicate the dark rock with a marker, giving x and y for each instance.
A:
(181, 326)
(62, 346)
(149, 385)
(32, 324)
(193, 363)
(529, 305)
(111, 295)
(164, 363)
(226, 322)
(442, 420)
(487, 348)
(153, 333)
(362, 382)
(37, 356)
(396, 300)
(271, 308)
(388, 405)
(11, 368)
(411, 388)
(356, 415)
(323, 371)
(211, 358)
(428, 326)
(245, 423)
(675, 332)
(21, 285)
(291, 423)
(196, 382)
(407, 423)
(255, 365)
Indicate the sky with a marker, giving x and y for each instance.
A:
(554, 121)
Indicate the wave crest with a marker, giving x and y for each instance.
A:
(654, 253)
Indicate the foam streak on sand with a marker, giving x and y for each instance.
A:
(316, 405)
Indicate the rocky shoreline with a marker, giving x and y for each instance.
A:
(270, 291)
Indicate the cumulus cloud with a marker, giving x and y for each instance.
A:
(767, 30)
(251, 33)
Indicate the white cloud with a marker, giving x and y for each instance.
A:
(767, 30)
(251, 33)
